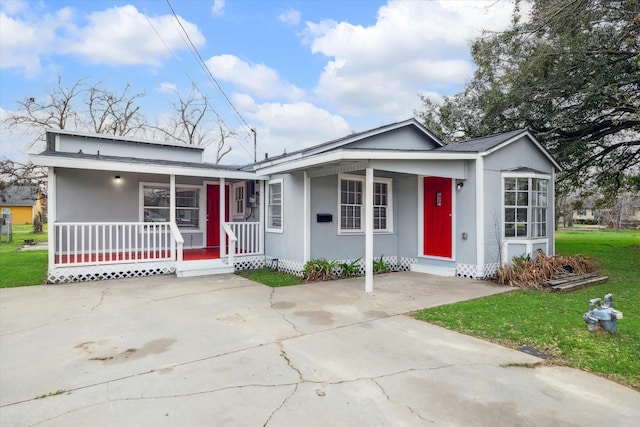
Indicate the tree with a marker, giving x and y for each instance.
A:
(190, 123)
(78, 107)
(571, 74)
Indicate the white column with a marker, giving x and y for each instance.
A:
(172, 199)
(307, 218)
(51, 215)
(551, 196)
(262, 203)
(223, 235)
(368, 231)
(480, 217)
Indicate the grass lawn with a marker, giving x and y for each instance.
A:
(22, 268)
(269, 277)
(552, 322)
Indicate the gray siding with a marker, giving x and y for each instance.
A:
(325, 240)
(407, 138)
(73, 144)
(521, 153)
(288, 245)
(465, 217)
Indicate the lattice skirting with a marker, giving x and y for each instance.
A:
(105, 272)
(469, 271)
(249, 262)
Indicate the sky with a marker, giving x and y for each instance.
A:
(299, 72)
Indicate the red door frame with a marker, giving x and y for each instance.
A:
(437, 216)
(213, 213)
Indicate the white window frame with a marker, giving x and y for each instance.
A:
(235, 212)
(389, 206)
(201, 203)
(530, 223)
(268, 204)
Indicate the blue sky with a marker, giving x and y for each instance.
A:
(299, 72)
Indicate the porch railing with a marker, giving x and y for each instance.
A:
(249, 237)
(82, 243)
(232, 241)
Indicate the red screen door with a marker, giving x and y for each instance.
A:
(437, 216)
(213, 213)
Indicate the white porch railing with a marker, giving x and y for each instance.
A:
(249, 237)
(82, 243)
(232, 241)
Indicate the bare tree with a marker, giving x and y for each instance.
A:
(15, 173)
(113, 113)
(191, 124)
(622, 208)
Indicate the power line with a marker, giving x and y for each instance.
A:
(206, 68)
(194, 83)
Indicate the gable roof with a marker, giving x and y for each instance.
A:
(20, 195)
(340, 143)
(488, 144)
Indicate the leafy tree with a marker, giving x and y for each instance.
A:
(571, 74)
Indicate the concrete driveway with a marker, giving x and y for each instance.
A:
(222, 350)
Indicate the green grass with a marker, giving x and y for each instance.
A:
(269, 277)
(22, 268)
(553, 323)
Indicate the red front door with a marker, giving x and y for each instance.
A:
(213, 213)
(437, 216)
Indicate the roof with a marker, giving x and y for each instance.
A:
(139, 165)
(20, 195)
(52, 132)
(482, 144)
(339, 143)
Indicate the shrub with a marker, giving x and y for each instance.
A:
(380, 266)
(349, 269)
(320, 270)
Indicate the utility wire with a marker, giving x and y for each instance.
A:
(206, 68)
(242, 143)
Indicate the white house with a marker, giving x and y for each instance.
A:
(120, 207)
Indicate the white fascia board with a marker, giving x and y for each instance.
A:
(533, 139)
(109, 165)
(363, 155)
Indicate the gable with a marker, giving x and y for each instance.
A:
(408, 138)
(521, 153)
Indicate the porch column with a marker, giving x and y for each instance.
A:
(51, 214)
(172, 199)
(223, 234)
(262, 203)
(480, 217)
(307, 218)
(368, 231)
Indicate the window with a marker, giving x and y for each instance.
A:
(156, 205)
(239, 199)
(525, 207)
(274, 206)
(352, 204)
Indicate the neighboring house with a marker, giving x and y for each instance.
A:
(586, 215)
(122, 208)
(22, 202)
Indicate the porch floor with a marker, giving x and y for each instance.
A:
(187, 255)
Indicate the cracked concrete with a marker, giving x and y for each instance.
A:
(222, 350)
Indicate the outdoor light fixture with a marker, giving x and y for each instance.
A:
(460, 185)
(117, 178)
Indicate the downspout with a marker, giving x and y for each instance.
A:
(480, 216)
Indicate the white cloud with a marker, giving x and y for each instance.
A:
(166, 87)
(282, 126)
(258, 80)
(290, 17)
(124, 36)
(218, 8)
(412, 47)
(22, 42)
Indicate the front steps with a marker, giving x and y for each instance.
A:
(202, 267)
